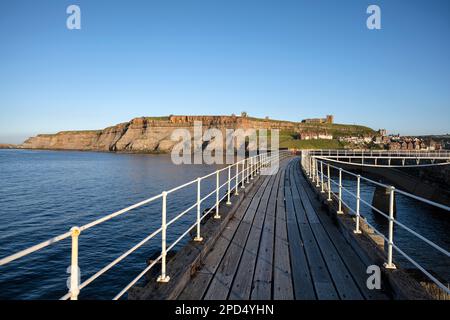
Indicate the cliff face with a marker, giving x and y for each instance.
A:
(147, 134)
(138, 135)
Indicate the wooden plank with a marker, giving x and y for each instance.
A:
(350, 258)
(341, 277)
(196, 288)
(222, 280)
(301, 277)
(282, 276)
(242, 283)
(263, 277)
(322, 281)
(186, 261)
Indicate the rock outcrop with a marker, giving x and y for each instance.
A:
(147, 134)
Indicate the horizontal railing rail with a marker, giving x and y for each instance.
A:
(369, 152)
(319, 170)
(237, 175)
(384, 158)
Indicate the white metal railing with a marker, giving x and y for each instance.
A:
(385, 158)
(368, 152)
(313, 166)
(244, 171)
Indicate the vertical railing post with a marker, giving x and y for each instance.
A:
(261, 162)
(310, 167)
(217, 216)
(229, 186)
(236, 189)
(243, 175)
(329, 182)
(251, 168)
(198, 237)
(321, 177)
(390, 264)
(313, 173)
(358, 197)
(74, 269)
(340, 192)
(163, 277)
(317, 174)
(247, 174)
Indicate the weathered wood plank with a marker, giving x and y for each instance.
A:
(263, 277)
(196, 289)
(341, 277)
(301, 276)
(242, 283)
(322, 280)
(282, 276)
(350, 258)
(200, 281)
(222, 280)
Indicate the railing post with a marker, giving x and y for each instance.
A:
(257, 163)
(340, 192)
(74, 269)
(251, 168)
(321, 177)
(329, 182)
(243, 174)
(236, 190)
(358, 197)
(248, 170)
(310, 167)
(313, 173)
(217, 216)
(229, 186)
(198, 238)
(163, 277)
(317, 174)
(389, 264)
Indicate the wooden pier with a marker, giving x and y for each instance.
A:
(276, 242)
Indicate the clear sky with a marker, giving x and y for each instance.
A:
(283, 59)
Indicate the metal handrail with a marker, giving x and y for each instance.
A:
(313, 167)
(250, 167)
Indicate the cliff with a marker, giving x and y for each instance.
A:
(7, 146)
(152, 134)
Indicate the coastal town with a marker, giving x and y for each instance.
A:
(375, 140)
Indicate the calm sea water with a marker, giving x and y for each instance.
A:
(44, 193)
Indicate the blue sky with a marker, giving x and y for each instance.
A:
(283, 59)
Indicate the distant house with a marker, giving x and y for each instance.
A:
(315, 136)
(377, 140)
(325, 136)
(410, 145)
(328, 119)
(394, 146)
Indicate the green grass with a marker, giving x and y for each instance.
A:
(312, 144)
(79, 132)
(340, 130)
(157, 118)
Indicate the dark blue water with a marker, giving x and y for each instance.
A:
(45, 193)
(431, 222)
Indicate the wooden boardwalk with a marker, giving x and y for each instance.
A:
(281, 245)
